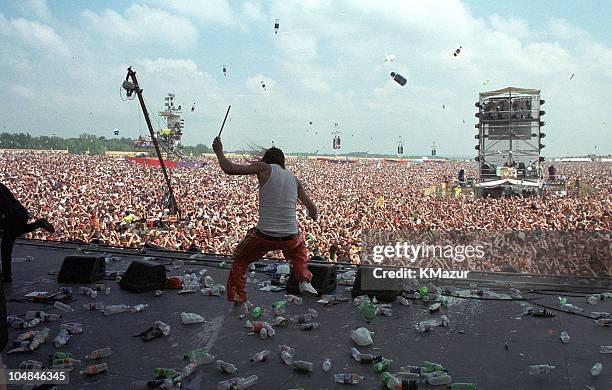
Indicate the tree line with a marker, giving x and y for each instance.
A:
(83, 144)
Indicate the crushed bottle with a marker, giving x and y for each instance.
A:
(191, 318)
(165, 329)
(326, 365)
(303, 318)
(437, 378)
(348, 379)
(564, 337)
(606, 322)
(63, 307)
(95, 369)
(99, 354)
(260, 356)
(540, 369)
(382, 365)
(302, 366)
(94, 306)
(311, 326)
(61, 339)
(596, 369)
(73, 327)
(390, 381)
(605, 349)
(225, 367)
(362, 336)
(365, 358)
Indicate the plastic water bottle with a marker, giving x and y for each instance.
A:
(256, 313)
(245, 383)
(348, 379)
(326, 365)
(199, 355)
(73, 327)
(426, 326)
(571, 308)
(605, 349)
(226, 367)
(211, 291)
(540, 369)
(260, 356)
(163, 327)
(228, 384)
(607, 322)
(39, 339)
(437, 378)
(432, 367)
(94, 306)
(139, 307)
(191, 318)
(48, 317)
(365, 358)
(99, 354)
(114, 309)
(596, 369)
(61, 339)
(302, 366)
(311, 326)
(600, 314)
(592, 299)
(95, 369)
(564, 337)
(208, 281)
(63, 307)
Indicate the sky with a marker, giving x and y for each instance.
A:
(63, 63)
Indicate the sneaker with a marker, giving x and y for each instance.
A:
(306, 287)
(46, 225)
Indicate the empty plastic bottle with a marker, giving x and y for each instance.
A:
(326, 365)
(302, 366)
(39, 339)
(605, 349)
(607, 322)
(600, 314)
(365, 358)
(139, 307)
(390, 381)
(256, 313)
(95, 369)
(310, 326)
(30, 365)
(94, 306)
(196, 354)
(226, 367)
(592, 299)
(63, 307)
(163, 327)
(228, 384)
(189, 369)
(571, 308)
(382, 365)
(99, 354)
(596, 369)
(348, 379)
(60, 355)
(73, 327)
(426, 326)
(48, 317)
(564, 337)
(211, 291)
(191, 318)
(208, 281)
(57, 362)
(540, 369)
(398, 78)
(437, 378)
(202, 358)
(61, 339)
(114, 309)
(27, 335)
(245, 383)
(260, 356)
(280, 321)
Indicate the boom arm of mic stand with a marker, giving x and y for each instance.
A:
(131, 74)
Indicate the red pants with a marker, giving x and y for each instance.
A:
(253, 248)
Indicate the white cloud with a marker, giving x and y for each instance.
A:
(170, 65)
(251, 10)
(35, 8)
(213, 11)
(142, 24)
(32, 34)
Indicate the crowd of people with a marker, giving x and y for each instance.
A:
(118, 202)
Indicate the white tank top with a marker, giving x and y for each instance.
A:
(277, 200)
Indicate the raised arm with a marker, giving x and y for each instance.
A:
(306, 201)
(256, 168)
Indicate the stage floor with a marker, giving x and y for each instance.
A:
(471, 348)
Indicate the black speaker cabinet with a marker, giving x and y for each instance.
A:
(323, 279)
(386, 290)
(82, 269)
(144, 276)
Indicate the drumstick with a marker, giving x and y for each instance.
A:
(224, 119)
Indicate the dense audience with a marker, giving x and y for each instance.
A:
(115, 201)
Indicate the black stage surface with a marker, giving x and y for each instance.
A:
(471, 348)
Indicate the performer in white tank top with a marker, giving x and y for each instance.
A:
(277, 229)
